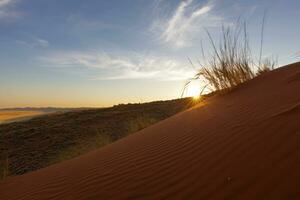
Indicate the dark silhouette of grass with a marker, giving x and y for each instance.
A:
(231, 62)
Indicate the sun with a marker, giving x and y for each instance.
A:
(196, 97)
(193, 90)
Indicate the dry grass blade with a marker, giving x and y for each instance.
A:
(231, 62)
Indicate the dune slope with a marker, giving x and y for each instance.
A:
(243, 145)
(40, 142)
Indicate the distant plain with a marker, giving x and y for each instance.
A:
(7, 116)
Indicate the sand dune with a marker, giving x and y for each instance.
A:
(242, 145)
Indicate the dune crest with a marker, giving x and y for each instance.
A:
(243, 145)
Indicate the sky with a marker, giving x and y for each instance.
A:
(97, 53)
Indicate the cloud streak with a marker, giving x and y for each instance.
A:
(4, 3)
(6, 12)
(118, 67)
(34, 43)
(186, 23)
(80, 22)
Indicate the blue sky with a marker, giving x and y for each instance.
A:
(103, 52)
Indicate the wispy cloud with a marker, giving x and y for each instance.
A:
(80, 22)
(296, 55)
(5, 2)
(129, 66)
(34, 42)
(5, 10)
(186, 22)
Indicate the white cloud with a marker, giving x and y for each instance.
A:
(129, 66)
(4, 2)
(5, 10)
(41, 42)
(34, 42)
(186, 23)
(4, 14)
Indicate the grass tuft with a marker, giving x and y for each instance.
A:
(231, 62)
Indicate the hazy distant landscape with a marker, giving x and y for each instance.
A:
(10, 115)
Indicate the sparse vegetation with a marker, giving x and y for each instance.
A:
(39, 142)
(84, 146)
(101, 138)
(140, 123)
(266, 66)
(4, 168)
(231, 62)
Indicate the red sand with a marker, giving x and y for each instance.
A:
(243, 145)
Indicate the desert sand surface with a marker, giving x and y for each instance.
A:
(241, 145)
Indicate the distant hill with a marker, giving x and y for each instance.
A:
(9, 115)
(41, 109)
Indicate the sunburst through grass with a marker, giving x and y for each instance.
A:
(193, 90)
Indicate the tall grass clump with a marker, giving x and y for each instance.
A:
(230, 62)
